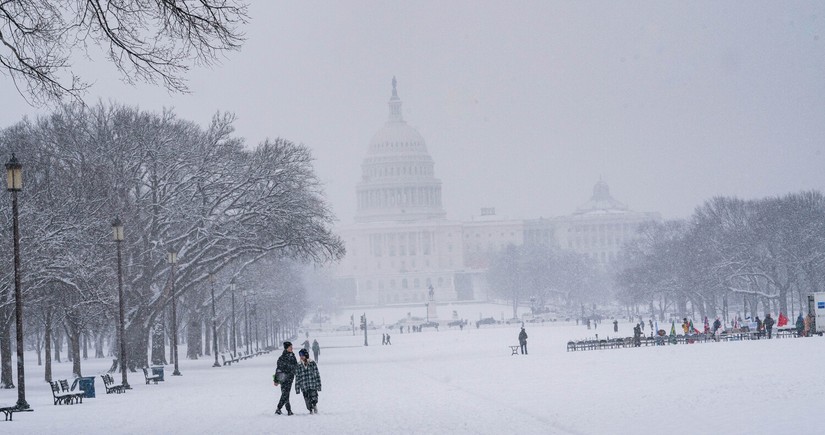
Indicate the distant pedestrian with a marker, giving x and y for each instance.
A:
(651, 325)
(383, 339)
(717, 326)
(809, 323)
(284, 375)
(759, 327)
(522, 341)
(308, 381)
(401, 329)
(316, 350)
(769, 324)
(800, 326)
(305, 344)
(588, 323)
(637, 335)
(615, 326)
(388, 340)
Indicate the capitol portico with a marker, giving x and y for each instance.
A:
(401, 242)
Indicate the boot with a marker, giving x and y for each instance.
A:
(278, 411)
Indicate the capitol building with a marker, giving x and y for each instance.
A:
(401, 243)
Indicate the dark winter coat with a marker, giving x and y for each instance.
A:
(307, 377)
(769, 322)
(522, 336)
(800, 324)
(287, 364)
(716, 325)
(316, 348)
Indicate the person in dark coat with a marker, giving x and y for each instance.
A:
(759, 327)
(285, 373)
(769, 324)
(615, 326)
(637, 335)
(316, 350)
(522, 340)
(308, 381)
(389, 343)
(800, 326)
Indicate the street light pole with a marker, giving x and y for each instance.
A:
(214, 324)
(173, 259)
(14, 184)
(117, 234)
(234, 338)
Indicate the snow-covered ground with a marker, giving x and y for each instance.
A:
(466, 382)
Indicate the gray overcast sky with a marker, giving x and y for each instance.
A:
(525, 104)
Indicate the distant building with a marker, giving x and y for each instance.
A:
(401, 242)
(597, 229)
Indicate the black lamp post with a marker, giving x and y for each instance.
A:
(14, 184)
(234, 337)
(246, 320)
(117, 235)
(172, 259)
(214, 321)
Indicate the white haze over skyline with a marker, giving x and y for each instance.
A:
(525, 105)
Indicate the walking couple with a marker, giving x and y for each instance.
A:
(304, 373)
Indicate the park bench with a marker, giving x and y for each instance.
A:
(514, 349)
(10, 410)
(62, 394)
(111, 386)
(227, 362)
(150, 378)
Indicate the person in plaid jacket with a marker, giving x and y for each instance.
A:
(308, 380)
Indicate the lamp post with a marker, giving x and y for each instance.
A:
(117, 236)
(14, 184)
(214, 324)
(234, 337)
(172, 259)
(246, 320)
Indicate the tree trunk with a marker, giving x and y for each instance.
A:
(85, 345)
(48, 338)
(99, 345)
(158, 344)
(207, 339)
(193, 336)
(73, 335)
(58, 344)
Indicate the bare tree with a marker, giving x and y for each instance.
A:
(149, 41)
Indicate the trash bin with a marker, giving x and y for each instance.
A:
(158, 370)
(85, 384)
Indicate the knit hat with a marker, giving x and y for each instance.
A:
(287, 344)
(303, 352)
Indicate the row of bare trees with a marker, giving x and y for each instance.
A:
(242, 215)
(732, 256)
(545, 274)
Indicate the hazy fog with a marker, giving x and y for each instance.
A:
(524, 105)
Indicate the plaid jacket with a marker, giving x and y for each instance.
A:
(307, 377)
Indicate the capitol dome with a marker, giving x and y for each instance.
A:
(397, 177)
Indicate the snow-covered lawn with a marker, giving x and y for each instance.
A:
(466, 382)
